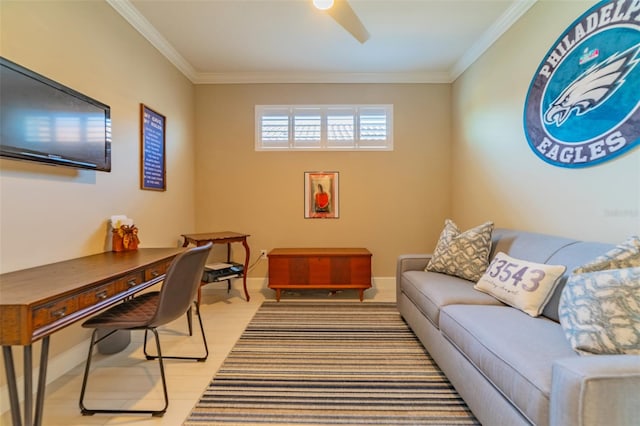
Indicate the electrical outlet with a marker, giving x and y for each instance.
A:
(263, 254)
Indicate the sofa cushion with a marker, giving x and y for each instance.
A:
(430, 291)
(462, 254)
(600, 311)
(521, 284)
(514, 351)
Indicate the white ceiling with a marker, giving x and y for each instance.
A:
(242, 41)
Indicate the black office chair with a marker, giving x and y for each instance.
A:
(151, 310)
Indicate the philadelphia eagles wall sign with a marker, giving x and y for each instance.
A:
(583, 105)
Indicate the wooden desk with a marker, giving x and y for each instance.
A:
(36, 302)
(226, 237)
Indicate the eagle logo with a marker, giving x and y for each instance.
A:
(583, 104)
(592, 88)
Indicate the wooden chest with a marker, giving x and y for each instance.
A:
(319, 268)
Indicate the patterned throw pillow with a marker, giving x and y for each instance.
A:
(525, 285)
(463, 254)
(624, 255)
(600, 311)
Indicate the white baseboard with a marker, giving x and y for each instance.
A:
(62, 363)
(385, 284)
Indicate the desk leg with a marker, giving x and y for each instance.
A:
(42, 380)
(13, 387)
(247, 254)
(28, 384)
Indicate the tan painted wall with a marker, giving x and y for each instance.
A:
(390, 202)
(496, 175)
(50, 213)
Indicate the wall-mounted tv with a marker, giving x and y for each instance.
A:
(42, 120)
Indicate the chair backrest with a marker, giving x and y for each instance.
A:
(181, 284)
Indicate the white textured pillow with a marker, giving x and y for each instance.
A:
(525, 285)
(600, 311)
(463, 254)
(624, 255)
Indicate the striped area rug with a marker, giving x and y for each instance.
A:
(340, 363)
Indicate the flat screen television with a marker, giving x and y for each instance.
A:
(44, 121)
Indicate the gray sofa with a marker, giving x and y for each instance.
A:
(510, 368)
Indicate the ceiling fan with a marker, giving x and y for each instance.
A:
(343, 14)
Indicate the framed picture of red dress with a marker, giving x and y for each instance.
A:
(321, 199)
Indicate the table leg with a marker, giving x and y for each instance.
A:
(11, 384)
(246, 267)
(42, 380)
(29, 420)
(28, 385)
(228, 261)
(198, 244)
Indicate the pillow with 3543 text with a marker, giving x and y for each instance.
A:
(525, 285)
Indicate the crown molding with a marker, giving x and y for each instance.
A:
(126, 9)
(508, 18)
(314, 77)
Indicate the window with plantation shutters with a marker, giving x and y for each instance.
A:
(324, 127)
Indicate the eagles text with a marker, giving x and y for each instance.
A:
(583, 153)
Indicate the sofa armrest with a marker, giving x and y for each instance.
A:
(409, 262)
(595, 390)
(412, 262)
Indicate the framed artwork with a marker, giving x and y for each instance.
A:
(321, 199)
(152, 149)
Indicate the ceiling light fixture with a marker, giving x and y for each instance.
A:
(323, 4)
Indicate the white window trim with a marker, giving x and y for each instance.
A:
(323, 144)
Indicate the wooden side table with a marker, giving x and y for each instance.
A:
(226, 237)
(319, 268)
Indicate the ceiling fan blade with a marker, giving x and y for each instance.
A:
(344, 15)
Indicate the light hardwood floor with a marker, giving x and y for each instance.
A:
(128, 380)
